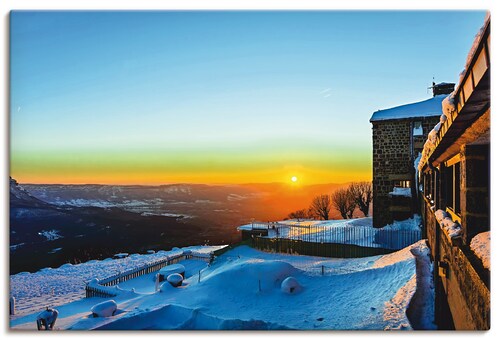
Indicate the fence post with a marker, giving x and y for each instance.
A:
(12, 305)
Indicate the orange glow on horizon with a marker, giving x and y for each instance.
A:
(307, 177)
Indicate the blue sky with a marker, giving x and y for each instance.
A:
(262, 83)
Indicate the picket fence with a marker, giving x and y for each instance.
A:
(113, 280)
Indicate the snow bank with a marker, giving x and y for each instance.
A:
(421, 308)
(104, 309)
(176, 317)
(250, 275)
(411, 224)
(350, 294)
(480, 245)
(166, 287)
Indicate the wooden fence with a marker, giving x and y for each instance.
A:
(104, 291)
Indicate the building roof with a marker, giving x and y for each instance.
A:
(427, 108)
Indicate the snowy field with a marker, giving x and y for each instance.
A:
(56, 286)
(242, 289)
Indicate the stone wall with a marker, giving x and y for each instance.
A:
(468, 296)
(392, 161)
(462, 298)
(475, 190)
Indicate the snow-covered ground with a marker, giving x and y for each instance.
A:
(50, 235)
(242, 290)
(358, 231)
(56, 286)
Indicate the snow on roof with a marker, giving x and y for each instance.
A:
(444, 83)
(427, 108)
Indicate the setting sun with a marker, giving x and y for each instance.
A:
(294, 179)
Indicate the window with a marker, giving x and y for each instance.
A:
(402, 184)
(428, 185)
(452, 187)
(417, 129)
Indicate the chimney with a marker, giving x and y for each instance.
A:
(442, 88)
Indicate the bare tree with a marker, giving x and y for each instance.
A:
(321, 206)
(362, 194)
(302, 213)
(344, 202)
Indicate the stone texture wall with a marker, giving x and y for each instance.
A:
(474, 190)
(468, 297)
(392, 161)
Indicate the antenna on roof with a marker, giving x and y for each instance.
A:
(431, 87)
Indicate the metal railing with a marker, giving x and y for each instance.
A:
(333, 241)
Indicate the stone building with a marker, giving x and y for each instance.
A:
(398, 136)
(455, 171)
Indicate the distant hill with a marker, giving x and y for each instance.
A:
(19, 197)
(221, 205)
(43, 234)
(54, 224)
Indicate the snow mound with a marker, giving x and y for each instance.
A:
(175, 317)
(246, 275)
(290, 285)
(242, 290)
(480, 245)
(398, 256)
(175, 279)
(166, 287)
(104, 309)
(172, 269)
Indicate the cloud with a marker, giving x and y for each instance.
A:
(18, 108)
(327, 95)
(325, 91)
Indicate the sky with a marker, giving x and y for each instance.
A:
(217, 97)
